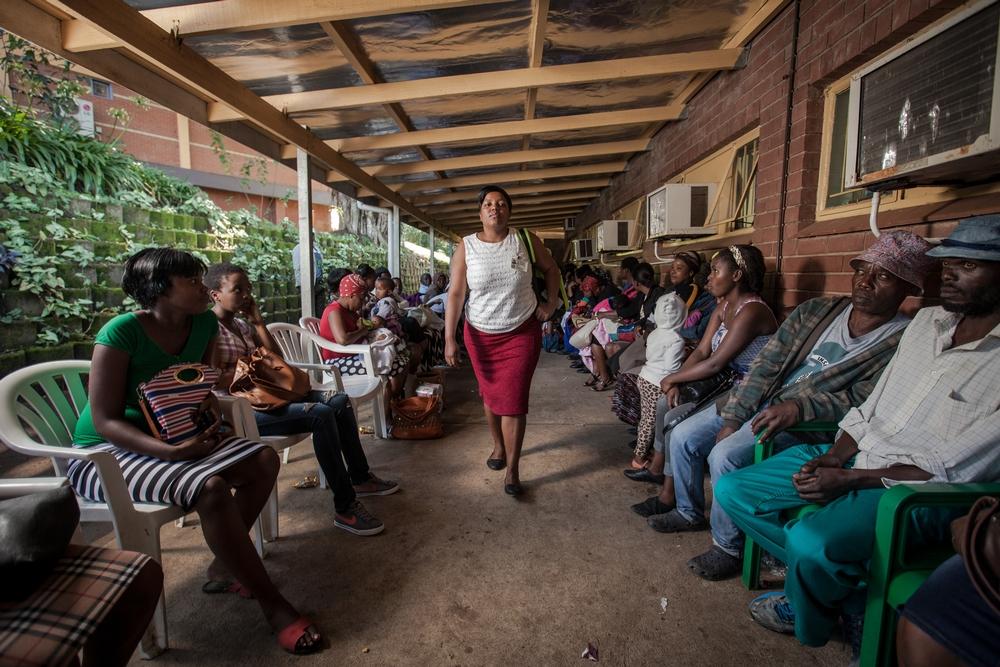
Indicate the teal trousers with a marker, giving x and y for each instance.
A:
(827, 551)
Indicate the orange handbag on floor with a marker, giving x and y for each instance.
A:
(417, 418)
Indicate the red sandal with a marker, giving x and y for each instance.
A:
(216, 586)
(290, 635)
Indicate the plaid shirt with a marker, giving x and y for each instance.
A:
(824, 396)
(937, 406)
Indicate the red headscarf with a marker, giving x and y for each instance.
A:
(590, 284)
(352, 284)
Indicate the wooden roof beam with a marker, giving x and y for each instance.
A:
(465, 84)
(150, 43)
(473, 195)
(585, 195)
(513, 128)
(496, 159)
(536, 45)
(519, 217)
(242, 15)
(502, 177)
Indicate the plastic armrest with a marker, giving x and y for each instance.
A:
(764, 449)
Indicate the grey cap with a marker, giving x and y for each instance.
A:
(973, 238)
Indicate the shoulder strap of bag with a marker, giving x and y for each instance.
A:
(525, 238)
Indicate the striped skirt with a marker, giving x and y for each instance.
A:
(59, 617)
(153, 480)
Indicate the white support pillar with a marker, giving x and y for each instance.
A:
(394, 238)
(431, 258)
(306, 270)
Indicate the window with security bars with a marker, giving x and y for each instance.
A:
(744, 185)
(836, 193)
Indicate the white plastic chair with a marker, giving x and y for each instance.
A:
(47, 398)
(301, 347)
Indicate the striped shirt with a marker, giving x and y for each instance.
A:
(935, 407)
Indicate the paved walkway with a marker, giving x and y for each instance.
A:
(465, 575)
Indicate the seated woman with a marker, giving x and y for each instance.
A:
(342, 324)
(202, 472)
(736, 332)
(330, 419)
(640, 307)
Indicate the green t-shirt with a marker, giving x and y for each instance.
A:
(146, 359)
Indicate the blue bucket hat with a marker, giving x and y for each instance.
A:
(973, 238)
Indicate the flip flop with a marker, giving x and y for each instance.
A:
(601, 385)
(307, 482)
(216, 587)
(290, 635)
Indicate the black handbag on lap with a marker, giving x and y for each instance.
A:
(700, 391)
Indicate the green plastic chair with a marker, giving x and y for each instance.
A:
(764, 449)
(897, 571)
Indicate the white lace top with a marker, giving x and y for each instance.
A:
(499, 278)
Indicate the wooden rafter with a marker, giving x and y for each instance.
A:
(243, 15)
(472, 195)
(463, 84)
(523, 201)
(348, 45)
(150, 43)
(503, 177)
(569, 211)
(502, 130)
(533, 211)
(536, 45)
(534, 224)
(512, 157)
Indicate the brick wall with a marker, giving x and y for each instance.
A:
(835, 37)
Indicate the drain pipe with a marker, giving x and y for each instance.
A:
(873, 215)
(780, 253)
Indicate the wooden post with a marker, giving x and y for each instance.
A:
(431, 258)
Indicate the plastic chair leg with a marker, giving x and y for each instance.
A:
(268, 519)
(381, 424)
(752, 554)
(154, 640)
(322, 479)
(284, 455)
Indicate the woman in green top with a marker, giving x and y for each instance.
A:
(202, 472)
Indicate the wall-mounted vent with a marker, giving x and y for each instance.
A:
(679, 210)
(613, 235)
(928, 112)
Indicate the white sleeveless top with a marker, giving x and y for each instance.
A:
(499, 277)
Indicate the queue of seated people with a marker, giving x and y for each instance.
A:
(701, 369)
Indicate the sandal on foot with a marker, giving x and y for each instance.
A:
(603, 385)
(496, 464)
(715, 565)
(217, 586)
(293, 633)
(592, 381)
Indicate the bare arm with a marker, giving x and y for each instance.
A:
(261, 336)
(753, 321)
(456, 298)
(341, 335)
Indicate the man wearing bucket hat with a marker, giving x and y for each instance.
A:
(934, 415)
(823, 360)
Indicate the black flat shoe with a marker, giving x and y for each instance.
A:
(513, 489)
(496, 464)
(643, 475)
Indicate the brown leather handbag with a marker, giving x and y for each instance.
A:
(268, 381)
(977, 539)
(417, 418)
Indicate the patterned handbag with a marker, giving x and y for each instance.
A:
(173, 401)
(417, 418)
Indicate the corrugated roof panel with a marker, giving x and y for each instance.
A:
(584, 31)
(434, 112)
(342, 123)
(579, 137)
(446, 42)
(618, 95)
(294, 58)
(479, 148)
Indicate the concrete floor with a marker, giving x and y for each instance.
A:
(465, 575)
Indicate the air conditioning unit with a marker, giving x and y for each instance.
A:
(679, 210)
(928, 112)
(569, 225)
(583, 250)
(613, 235)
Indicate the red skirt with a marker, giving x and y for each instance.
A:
(504, 364)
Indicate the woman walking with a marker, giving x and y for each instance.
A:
(503, 319)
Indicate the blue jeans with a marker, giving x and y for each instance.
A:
(334, 436)
(692, 445)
